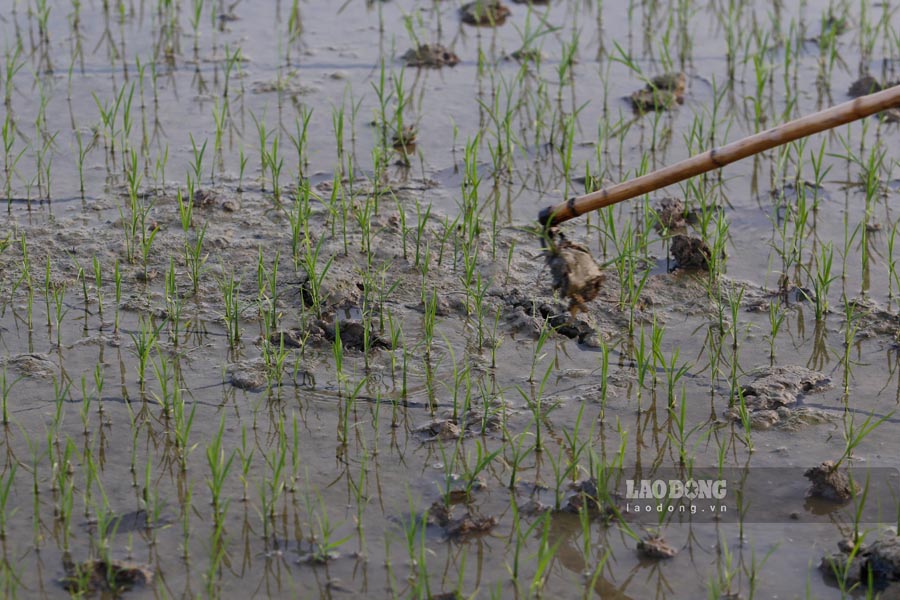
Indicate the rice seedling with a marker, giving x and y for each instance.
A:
(821, 280)
(325, 544)
(197, 164)
(673, 371)
(185, 521)
(6, 482)
(217, 556)
(681, 433)
(745, 420)
(48, 293)
(195, 257)
(6, 387)
(855, 433)
(536, 404)
(85, 406)
(543, 558)
(299, 217)
(482, 461)
(314, 296)
(229, 288)
(26, 278)
(241, 169)
(10, 159)
(272, 486)
(643, 358)
(275, 165)
(117, 279)
(219, 466)
(722, 581)
(145, 339)
(401, 131)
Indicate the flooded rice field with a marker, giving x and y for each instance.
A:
(276, 318)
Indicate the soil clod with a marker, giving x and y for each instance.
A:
(467, 525)
(113, 576)
(440, 430)
(773, 387)
(663, 92)
(829, 482)
(653, 546)
(575, 273)
(772, 396)
(291, 338)
(864, 86)
(31, 364)
(690, 252)
(484, 12)
(433, 56)
(204, 198)
(670, 215)
(878, 562)
(353, 335)
(525, 55)
(470, 525)
(248, 375)
(405, 139)
(586, 497)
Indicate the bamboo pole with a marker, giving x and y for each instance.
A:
(719, 157)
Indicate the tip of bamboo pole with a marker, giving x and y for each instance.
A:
(544, 216)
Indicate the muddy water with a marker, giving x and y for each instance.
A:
(337, 455)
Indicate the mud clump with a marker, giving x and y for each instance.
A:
(458, 528)
(586, 496)
(663, 92)
(874, 319)
(772, 395)
(353, 335)
(830, 483)
(484, 13)
(534, 508)
(205, 198)
(864, 86)
(670, 215)
(31, 364)
(453, 428)
(524, 54)
(405, 139)
(468, 525)
(440, 430)
(575, 273)
(655, 547)
(290, 338)
(773, 387)
(690, 252)
(878, 562)
(432, 56)
(532, 317)
(251, 375)
(111, 577)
